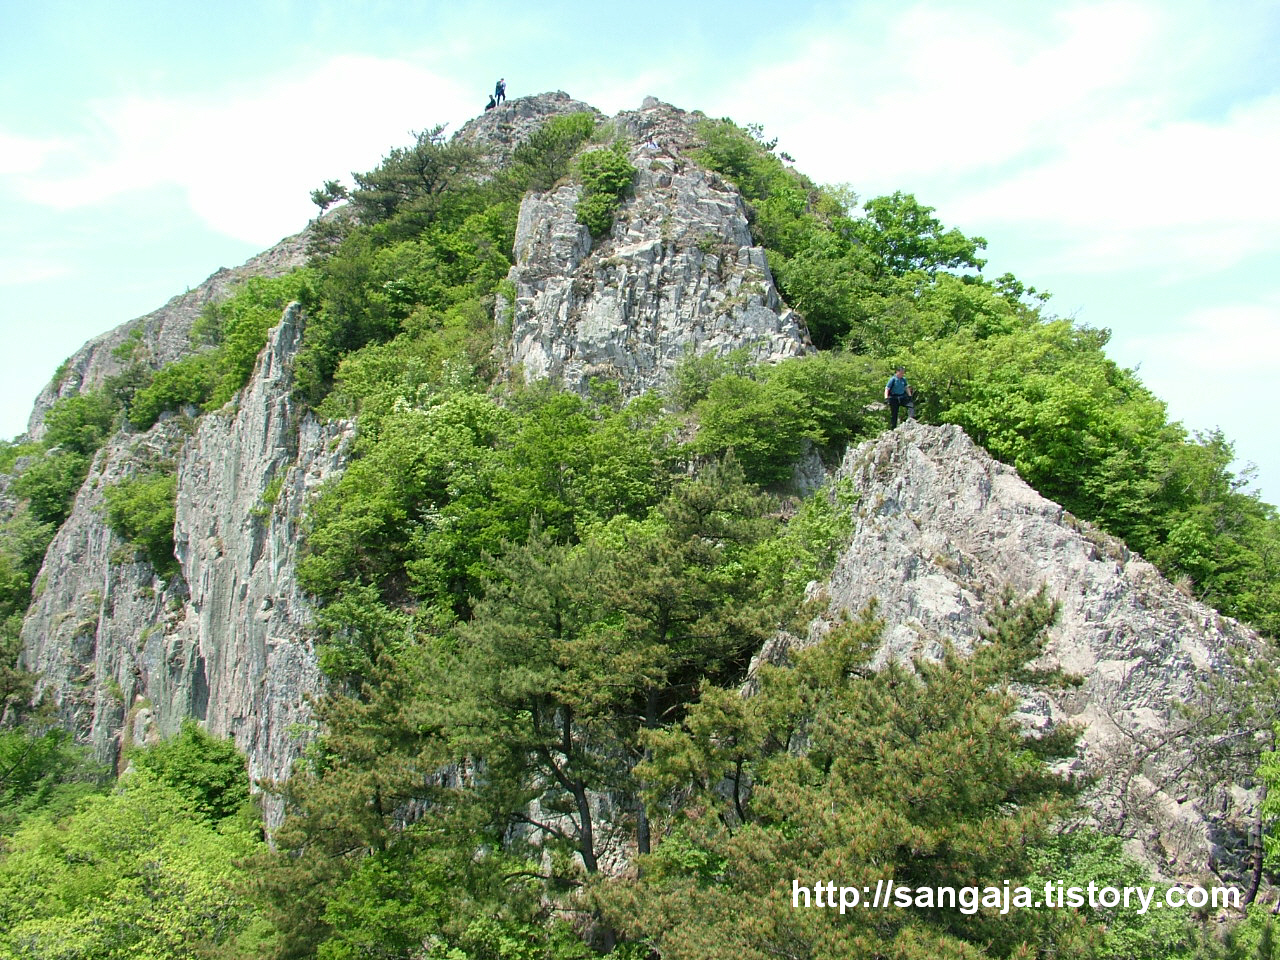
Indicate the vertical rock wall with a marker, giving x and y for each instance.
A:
(126, 655)
(678, 273)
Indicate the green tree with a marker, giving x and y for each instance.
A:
(136, 873)
(330, 193)
(857, 776)
(903, 236)
(210, 773)
(42, 771)
(606, 178)
(142, 510)
(50, 484)
(410, 183)
(80, 423)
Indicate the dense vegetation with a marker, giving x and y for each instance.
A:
(536, 610)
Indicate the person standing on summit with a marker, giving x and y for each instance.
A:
(898, 393)
(500, 91)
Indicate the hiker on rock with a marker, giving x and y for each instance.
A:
(491, 104)
(500, 91)
(898, 393)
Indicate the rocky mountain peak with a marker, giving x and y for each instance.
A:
(500, 130)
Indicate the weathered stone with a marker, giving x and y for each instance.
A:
(227, 642)
(499, 131)
(943, 528)
(678, 274)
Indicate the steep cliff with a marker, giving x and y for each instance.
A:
(942, 529)
(127, 655)
(678, 273)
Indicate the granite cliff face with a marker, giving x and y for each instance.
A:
(678, 273)
(126, 655)
(943, 529)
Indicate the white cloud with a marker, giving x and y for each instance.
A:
(247, 158)
(24, 155)
(1087, 119)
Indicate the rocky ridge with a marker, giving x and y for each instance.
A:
(164, 334)
(127, 655)
(942, 529)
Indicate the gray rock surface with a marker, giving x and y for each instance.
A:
(942, 528)
(679, 273)
(165, 333)
(244, 481)
(225, 642)
(500, 130)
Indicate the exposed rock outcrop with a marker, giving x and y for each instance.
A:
(679, 273)
(943, 528)
(499, 131)
(164, 335)
(226, 641)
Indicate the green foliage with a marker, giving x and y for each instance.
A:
(136, 873)
(208, 772)
(766, 415)
(238, 328)
(606, 178)
(903, 236)
(409, 188)
(42, 772)
(243, 321)
(433, 489)
(80, 423)
(695, 373)
(49, 485)
(857, 776)
(813, 539)
(141, 510)
(1083, 857)
(186, 382)
(544, 159)
(330, 193)
(764, 423)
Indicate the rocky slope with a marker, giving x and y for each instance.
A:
(127, 655)
(943, 529)
(164, 335)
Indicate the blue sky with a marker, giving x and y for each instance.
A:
(1121, 155)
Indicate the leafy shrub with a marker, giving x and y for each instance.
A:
(606, 177)
(50, 484)
(80, 423)
(542, 160)
(238, 327)
(207, 771)
(186, 382)
(764, 423)
(142, 511)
